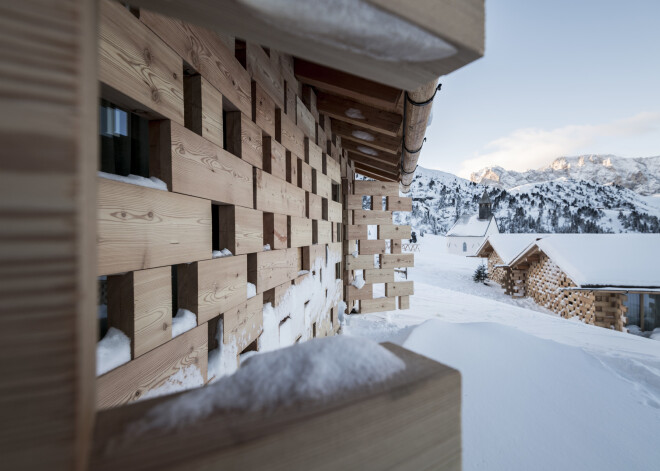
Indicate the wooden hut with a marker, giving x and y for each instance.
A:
(500, 250)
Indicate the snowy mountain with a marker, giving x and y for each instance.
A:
(642, 175)
(560, 205)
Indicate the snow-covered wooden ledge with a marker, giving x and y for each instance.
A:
(410, 420)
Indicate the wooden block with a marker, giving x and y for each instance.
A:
(378, 203)
(377, 305)
(244, 138)
(331, 168)
(371, 247)
(376, 275)
(399, 203)
(395, 246)
(290, 99)
(131, 381)
(322, 232)
(313, 155)
(332, 211)
(397, 260)
(304, 176)
(311, 254)
(321, 137)
(134, 62)
(369, 217)
(142, 228)
(210, 287)
(273, 268)
(400, 288)
(263, 110)
(391, 231)
(314, 205)
(275, 230)
(404, 302)
(203, 108)
(192, 165)
(205, 51)
(274, 157)
(368, 188)
(244, 323)
(299, 231)
(354, 232)
(291, 167)
(277, 196)
(366, 292)
(353, 202)
(261, 69)
(361, 262)
(309, 99)
(321, 184)
(275, 295)
(305, 119)
(140, 305)
(288, 134)
(241, 230)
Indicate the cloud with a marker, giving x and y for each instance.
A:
(529, 148)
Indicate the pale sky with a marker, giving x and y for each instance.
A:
(561, 77)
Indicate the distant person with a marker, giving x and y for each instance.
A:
(413, 237)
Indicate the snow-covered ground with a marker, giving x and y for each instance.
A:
(539, 392)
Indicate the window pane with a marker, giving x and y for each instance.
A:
(633, 309)
(651, 311)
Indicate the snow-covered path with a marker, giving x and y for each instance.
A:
(539, 391)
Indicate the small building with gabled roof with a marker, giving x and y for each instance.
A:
(470, 231)
(500, 250)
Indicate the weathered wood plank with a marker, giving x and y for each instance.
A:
(404, 302)
(203, 108)
(299, 232)
(377, 305)
(353, 202)
(397, 260)
(244, 323)
(360, 114)
(274, 157)
(400, 288)
(261, 69)
(244, 138)
(354, 232)
(379, 275)
(288, 134)
(322, 232)
(366, 292)
(305, 120)
(314, 206)
(313, 155)
(277, 196)
(275, 230)
(263, 110)
(331, 168)
(272, 268)
(304, 176)
(371, 247)
(142, 228)
(399, 203)
(387, 231)
(241, 229)
(332, 211)
(368, 188)
(311, 254)
(361, 262)
(370, 217)
(321, 184)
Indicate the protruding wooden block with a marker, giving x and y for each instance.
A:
(275, 295)
(331, 168)
(395, 246)
(312, 253)
(290, 96)
(140, 305)
(291, 167)
(313, 155)
(332, 211)
(241, 229)
(203, 109)
(391, 231)
(376, 275)
(244, 138)
(400, 288)
(304, 176)
(210, 287)
(371, 247)
(277, 196)
(299, 231)
(305, 119)
(275, 230)
(404, 302)
(399, 203)
(366, 292)
(321, 184)
(360, 262)
(261, 69)
(354, 202)
(274, 157)
(354, 232)
(371, 217)
(273, 268)
(263, 110)
(397, 260)
(314, 206)
(244, 323)
(288, 134)
(364, 187)
(377, 305)
(322, 232)
(309, 99)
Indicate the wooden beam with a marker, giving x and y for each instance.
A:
(375, 167)
(362, 135)
(353, 112)
(368, 172)
(366, 150)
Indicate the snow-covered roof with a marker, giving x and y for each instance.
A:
(469, 226)
(617, 260)
(509, 246)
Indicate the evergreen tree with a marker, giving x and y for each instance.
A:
(480, 274)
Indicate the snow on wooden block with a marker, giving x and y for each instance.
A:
(241, 230)
(331, 168)
(353, 202)
(360, 262)
(397, 260)
(273, 268)
(134, 379)
(304, 176)
(391, 231)
(314, 205)
(244, 138)
(203, 108)
(377, 305)
(274, 157)
(263, 110)
(288, 134)
(355, 232)
(206, 52)
(192, 165)
(371, 247)
(277, 196)
(368, 188)
(321, 184)
(299, 231)
(376, 275)
(313, 155)
(322, 232)
(400, 288)
(244, 323)
(275, 295)
(366, 292)
(140, 305)
(142, 228)
(404, 302)
(129, 52)
(312, 253)
(210, 287)
(399, 203)
(332, 210)
(275, 230)
(371, 217)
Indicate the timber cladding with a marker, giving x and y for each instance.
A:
(250, 165)
(372, 249)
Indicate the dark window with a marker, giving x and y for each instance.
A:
(124, 141)
(464, 247)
